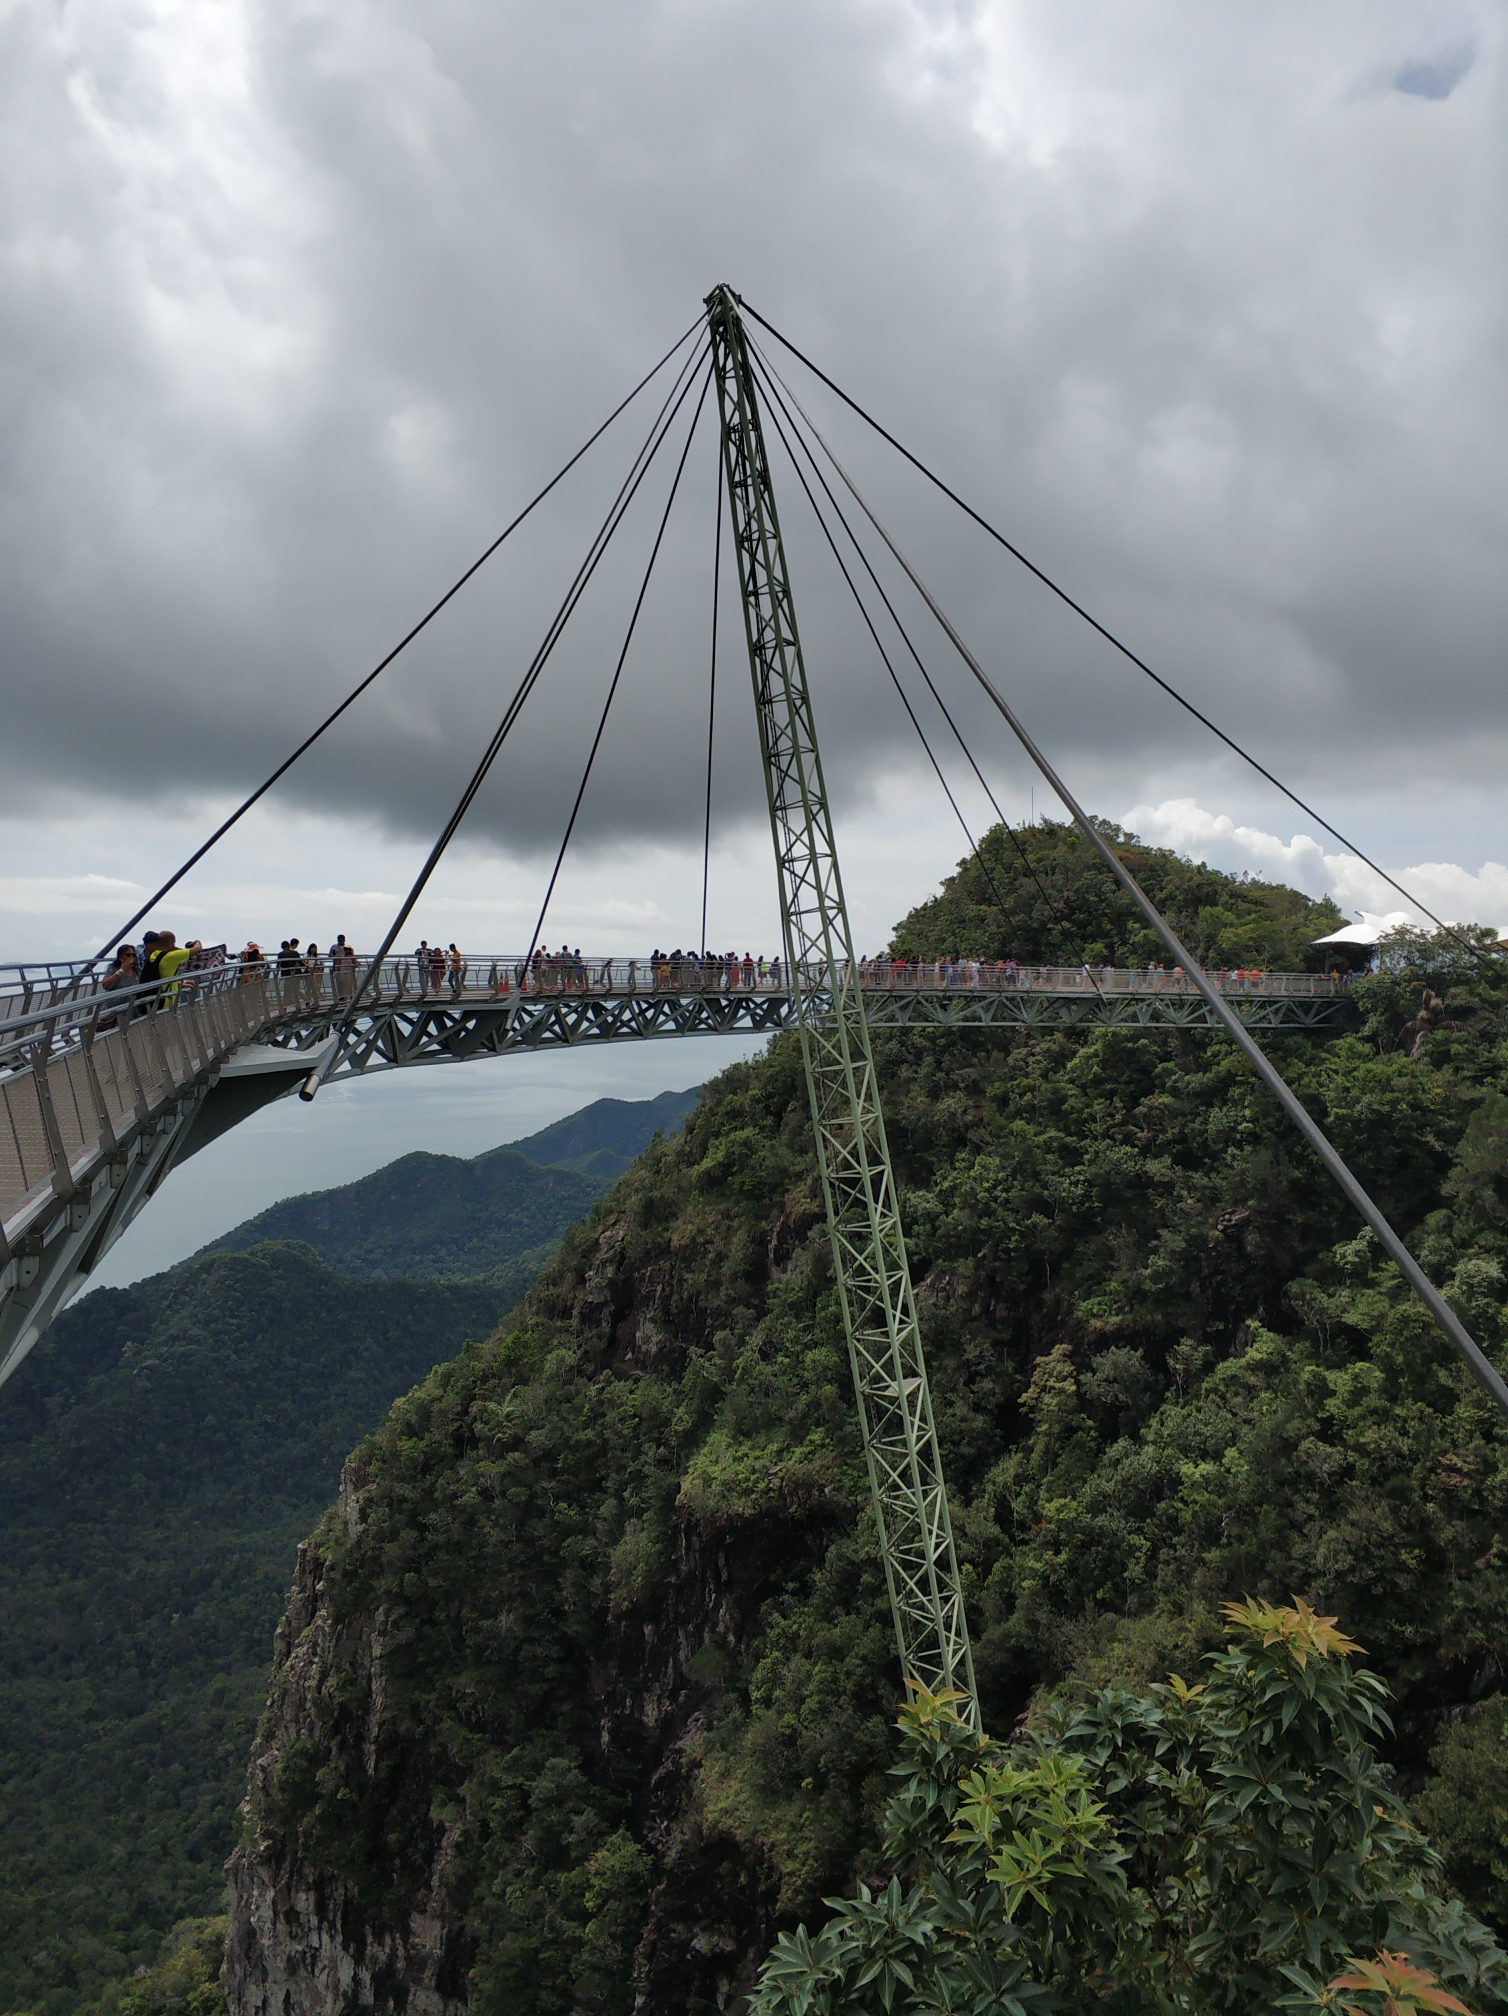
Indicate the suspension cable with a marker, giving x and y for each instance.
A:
(660, 427)
(618, 670)
(1455, 1330)
(356, 692)
(905, 700)
(1109, 636)
(717, 567)
(768, 378)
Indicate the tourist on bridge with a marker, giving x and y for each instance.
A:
(436, 969)
(457, 968)
(164, 958)
(421, 963)
(123, 972)
(171, 960)
(158, 944)
(342, 968)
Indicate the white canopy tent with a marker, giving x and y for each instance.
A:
(1370, 930)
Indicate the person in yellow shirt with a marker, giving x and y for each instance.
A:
(171, 961)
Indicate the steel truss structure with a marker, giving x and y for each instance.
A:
(858, 1183)
(393, 1035)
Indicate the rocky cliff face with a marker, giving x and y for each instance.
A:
(496, 1762)
(300, 1937)
(305, 1939)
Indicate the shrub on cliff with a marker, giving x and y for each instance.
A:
(1230, 1846)
(185, 1981)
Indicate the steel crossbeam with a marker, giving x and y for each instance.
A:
(869, 1251)
(397, 1035)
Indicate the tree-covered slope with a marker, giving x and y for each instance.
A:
(431, 1217)
(603, 1138)
(162, 1452)
(588, 1684)
(1038, 896)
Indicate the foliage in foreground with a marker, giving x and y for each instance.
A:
(1229, 1846)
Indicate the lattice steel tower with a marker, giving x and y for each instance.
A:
(858, 1184)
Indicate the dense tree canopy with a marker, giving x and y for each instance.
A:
(1042, 896)
(1167, 1372)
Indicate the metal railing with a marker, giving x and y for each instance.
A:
(79, 1082)
(555, 974)
(54, 1004)
(35, 994)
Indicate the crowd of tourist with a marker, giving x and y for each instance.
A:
(160, 963)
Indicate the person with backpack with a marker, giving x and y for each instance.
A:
(171, 958)
(155, 946)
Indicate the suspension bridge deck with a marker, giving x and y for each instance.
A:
(100, 1093)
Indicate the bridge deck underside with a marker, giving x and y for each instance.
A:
(398, 1034)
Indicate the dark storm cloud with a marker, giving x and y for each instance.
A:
(298, 304)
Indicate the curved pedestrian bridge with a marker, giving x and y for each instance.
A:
(102, 1092)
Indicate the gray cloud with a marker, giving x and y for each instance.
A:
(298, 303)
(1436, 77)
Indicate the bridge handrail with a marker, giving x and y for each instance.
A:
(80, 1082)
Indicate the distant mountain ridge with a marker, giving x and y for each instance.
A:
(495, 1216)
(605, 1137)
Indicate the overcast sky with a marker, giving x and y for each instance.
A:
(299, 302)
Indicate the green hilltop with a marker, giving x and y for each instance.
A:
(441, 1217)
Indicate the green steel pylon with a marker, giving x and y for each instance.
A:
(858, 1184)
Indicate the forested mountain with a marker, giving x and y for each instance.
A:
(586, 1686)
(602, 1139)
(162, 1452)
(432, 1217)
(1034, 896)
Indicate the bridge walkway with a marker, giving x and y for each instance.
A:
(100, 1093)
